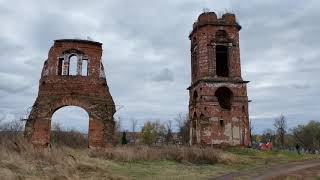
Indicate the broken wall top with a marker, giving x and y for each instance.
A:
(210, 18)
(90, 50)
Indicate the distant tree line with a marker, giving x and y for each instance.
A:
(155, 132)
(304, 136)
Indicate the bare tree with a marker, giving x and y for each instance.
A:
(281, 125)
(13, 126)
(161, 131)
(117, 129)
(134, 123)
(268, 135)
(183, 124)
(2, 118)
(169, 135)
(118, 124)
(180, 120)
(169, 125)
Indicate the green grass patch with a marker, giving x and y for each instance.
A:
(165, 170)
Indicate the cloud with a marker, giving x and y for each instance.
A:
(164, 75)
(13, 83)
(2, 116)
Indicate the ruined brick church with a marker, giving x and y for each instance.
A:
(73, 75)
(218, 104)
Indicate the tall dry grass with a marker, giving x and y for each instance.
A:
(19, 160)
(73, 139)
(182, 154)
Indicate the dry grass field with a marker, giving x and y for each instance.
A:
(19, 160)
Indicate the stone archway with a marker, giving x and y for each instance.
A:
(101, 124)
(69, 126)
(58, 89)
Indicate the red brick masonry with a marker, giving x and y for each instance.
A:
(218, 105)
(86, 88)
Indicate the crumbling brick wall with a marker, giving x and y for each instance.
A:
(218, 105)
(86, 88)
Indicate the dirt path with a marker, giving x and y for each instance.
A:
(298, 170)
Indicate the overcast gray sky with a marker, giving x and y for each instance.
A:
(147, 59)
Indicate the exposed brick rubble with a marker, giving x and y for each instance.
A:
(218, 105)
(86, 88)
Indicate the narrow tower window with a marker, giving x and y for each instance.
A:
(195, 97)
(222, 61)
(84, 71)
(73, 65)
(224, 96)
(60, 66)
(194, 58)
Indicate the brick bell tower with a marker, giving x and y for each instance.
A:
(218, 104)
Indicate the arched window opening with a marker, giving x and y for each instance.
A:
(69, 126)
(224, 96)
(60, 66)
(221, 34)
(222, 67)
(73, 65)
(195, 97)
(194, 63)
(84, 70)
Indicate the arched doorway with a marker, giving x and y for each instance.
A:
(101, 124)
(224, 96)
(69, 126)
